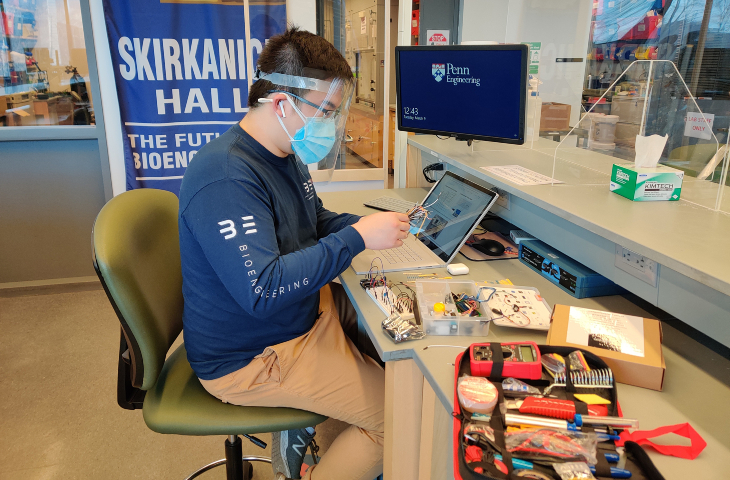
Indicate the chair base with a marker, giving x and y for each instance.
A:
(247, 467)
(238, 467)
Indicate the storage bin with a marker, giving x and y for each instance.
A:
(430, 292)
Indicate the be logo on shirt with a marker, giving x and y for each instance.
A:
(308, 189)
(229, 227)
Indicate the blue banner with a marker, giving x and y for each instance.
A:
(180, 71)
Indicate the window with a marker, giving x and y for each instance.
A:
(692, 34)
(44, 76)
(357, 30)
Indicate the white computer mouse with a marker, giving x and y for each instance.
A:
(457, 269)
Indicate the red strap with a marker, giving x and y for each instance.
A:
(683, 430)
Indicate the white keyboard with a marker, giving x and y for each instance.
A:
(402, 254)
(390, 204)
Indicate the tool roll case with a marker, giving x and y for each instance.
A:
(467, 468)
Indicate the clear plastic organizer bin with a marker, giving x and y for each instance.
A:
(431, 292)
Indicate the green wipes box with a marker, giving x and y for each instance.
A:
(646, 184)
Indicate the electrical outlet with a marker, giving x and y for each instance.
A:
(504, 198)
(636, 265)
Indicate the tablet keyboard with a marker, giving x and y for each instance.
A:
(390, 204)
(402, 254)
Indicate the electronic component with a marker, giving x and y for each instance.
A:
(392, 298)
(573, 277)
(390, 302)
(521, 360)
(515, 306)
(466, 304)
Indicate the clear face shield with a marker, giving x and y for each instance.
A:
(322, 107)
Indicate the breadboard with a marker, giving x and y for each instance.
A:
(385, 299)
(528, 301)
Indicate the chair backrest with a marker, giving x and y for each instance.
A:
(136, 252)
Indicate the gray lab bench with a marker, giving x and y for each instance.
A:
(419, 380)
(584, 220)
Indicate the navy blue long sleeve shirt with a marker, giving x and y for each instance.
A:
(256, 245)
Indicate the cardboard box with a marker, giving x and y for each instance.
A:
(609, 336)
(554, 116)
(646, 184)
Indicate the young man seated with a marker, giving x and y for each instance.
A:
(263, 325)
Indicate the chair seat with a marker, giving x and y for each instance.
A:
(178, 404)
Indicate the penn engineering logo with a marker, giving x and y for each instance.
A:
(437, 70)
(453, 74)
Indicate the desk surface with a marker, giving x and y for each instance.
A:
(696, 383)
(662, 231)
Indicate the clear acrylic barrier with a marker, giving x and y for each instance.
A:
(592, 53)
(359, 30)
(649, 98)
(556, 67)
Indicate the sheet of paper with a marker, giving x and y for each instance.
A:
(521, 175)
(698, 125)
(610, 331)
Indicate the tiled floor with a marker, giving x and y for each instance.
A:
(58, 413)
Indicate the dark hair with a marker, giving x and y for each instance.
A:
(299, 53)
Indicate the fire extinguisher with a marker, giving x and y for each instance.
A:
(415, 16)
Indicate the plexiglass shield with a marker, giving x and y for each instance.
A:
(318, 142)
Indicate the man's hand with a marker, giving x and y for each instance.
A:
(383, 230)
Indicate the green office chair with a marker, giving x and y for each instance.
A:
(136, 253)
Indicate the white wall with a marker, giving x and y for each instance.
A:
(303, 14)
(483, 20)
(561, 25)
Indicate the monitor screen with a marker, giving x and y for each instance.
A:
(467, 91)
(455, 205)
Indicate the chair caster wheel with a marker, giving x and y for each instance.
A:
(247, 471)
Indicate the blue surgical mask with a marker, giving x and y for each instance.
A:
(314, 140)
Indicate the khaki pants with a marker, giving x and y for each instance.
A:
(323, 372)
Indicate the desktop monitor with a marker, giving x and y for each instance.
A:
(471, 92)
